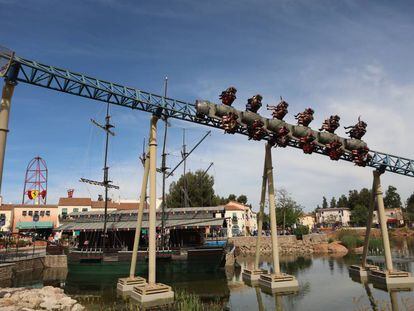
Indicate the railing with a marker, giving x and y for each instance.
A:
(14, 254)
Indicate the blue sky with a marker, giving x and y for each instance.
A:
(349, 58)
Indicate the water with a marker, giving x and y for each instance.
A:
(324, 284)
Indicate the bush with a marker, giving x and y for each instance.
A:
(375, 243)
(346, 232)
(350, 241)
(330, 240)
(300, 231)
(350, 238)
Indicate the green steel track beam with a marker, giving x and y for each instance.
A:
(62, 80)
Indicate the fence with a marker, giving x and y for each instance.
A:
(9, 253)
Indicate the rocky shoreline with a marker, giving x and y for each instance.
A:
(30, 299)
(288, 245)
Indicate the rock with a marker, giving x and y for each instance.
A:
(337, 248)
(321, 248)
(77, 307)
(46, 298)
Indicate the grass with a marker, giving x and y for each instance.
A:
(349, 238)
(183, 301)
(375, 244)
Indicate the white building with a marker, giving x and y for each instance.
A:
(6, 217)
(241, 220)
(307, 220)
(328, 217)
(394, 217)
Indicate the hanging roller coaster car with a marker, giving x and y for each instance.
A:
(305, 118)
(228, 96)
(283, 134)
(307, 143)
(330, 125)
(257, 131)
(254, 103)
(358, 130)
(334, 150)
(280, 110)
(229, 123)
(282, 137)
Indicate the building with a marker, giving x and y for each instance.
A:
(307, 220)
(184, 226)
(394, 217)
(6, 218)
(69, 205)
(331, 217)
(17, 218)
(41, 219)
(241, 220)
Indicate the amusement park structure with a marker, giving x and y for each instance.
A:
(35, 182)
(275, 131)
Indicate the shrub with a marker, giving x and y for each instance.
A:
(349, 238)
(350, 241)
(375, 243)
(300, 231)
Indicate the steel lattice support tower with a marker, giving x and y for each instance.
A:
(35, 182)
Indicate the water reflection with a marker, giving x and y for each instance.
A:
(324, 284)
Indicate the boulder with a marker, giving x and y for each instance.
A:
(28, 299)
(337, 248)
(321, 248)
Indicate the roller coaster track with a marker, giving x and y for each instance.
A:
(62, 80)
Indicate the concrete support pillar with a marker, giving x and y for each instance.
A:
(383, 221)
(153, 197)
(369, 222)
(142, 202)
(394, 300)
(259, 299)
(5, 105)
(272, 208)
(261, 214)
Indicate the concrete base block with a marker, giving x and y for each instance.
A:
(252, 276)
(391, 279)
(126, 285)
(360, 271)
(152, 295)
(278, 283)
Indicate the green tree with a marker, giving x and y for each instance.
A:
(392, 199)
(359, 215)
(288, 210)
(342, 201)
(232, 197)
(333, 203)
(364, 197)
(242, 199)
(199, 190)
(409, 208)
(324, 203)
(359, 198)
(353, 198)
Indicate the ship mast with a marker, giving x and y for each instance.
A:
(106, 183)
(164, 170)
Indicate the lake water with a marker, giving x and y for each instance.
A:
(324, 284)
